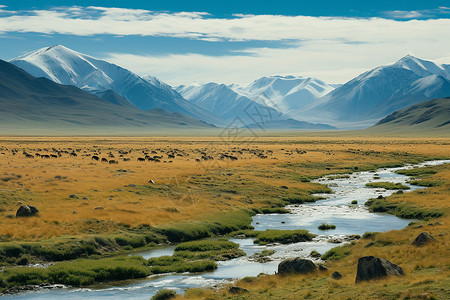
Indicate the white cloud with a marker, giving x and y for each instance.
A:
(329, 60)
(401, 14)
(121, 21)
(331, 48)
(414, 14)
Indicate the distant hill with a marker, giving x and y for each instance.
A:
(32, 105)
(428, 116)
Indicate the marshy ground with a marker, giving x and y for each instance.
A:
(175, 189)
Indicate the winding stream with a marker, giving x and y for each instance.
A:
(335, 209)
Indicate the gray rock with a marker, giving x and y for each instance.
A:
(237, 290)
(423, 239)
(296, 266)
(370, 268)
(26, 211)
(336, 275)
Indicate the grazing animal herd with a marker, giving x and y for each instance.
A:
(168, 155)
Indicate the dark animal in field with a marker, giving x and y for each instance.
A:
(104, 159)
(126, 159)
(73, 154)
(54, 155)
(171, 156)
(113, 162)
(29, 156)
(95, 157)
(141, 159)
(45, 156)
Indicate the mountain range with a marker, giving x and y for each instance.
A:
(32, 105)
(231, 104)
(66, 66)
(270, 102)
(371, 96)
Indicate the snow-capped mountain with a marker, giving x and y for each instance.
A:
(422, 67)
(376, 93)
(221, 100)
(65, 66)
(285, 93)
(230, 105)
(32, 105)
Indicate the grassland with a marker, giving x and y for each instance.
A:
(93, 211)
(427, 268)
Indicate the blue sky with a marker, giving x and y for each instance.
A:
(232, 41)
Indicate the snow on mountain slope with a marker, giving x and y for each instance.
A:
(32, 105)
(285, 93)
(65, 66)
(376, 93)
(230, 105)
(422, 67)
(225, 102)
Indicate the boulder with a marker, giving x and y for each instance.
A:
(423, 239)
(296, 266)
(26, 211)
(370, 267)
(336, 275)
(237, 290)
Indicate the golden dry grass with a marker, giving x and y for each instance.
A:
(176, 184)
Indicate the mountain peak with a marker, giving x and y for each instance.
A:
(421, 67)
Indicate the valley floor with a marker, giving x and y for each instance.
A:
(149, 191)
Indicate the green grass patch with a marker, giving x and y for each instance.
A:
(387, 185)
(222, 224)
(164, 294)
(415, 172)
(283, 236)
(426, 183)
(78, 272)
(176, 264)
(195, 256)
(402, 210)
(211, 249)
(68, 248)
(324, 226)
(301, 199)
(272, 210)
(337, 253)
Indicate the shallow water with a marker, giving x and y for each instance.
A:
(335, 209)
